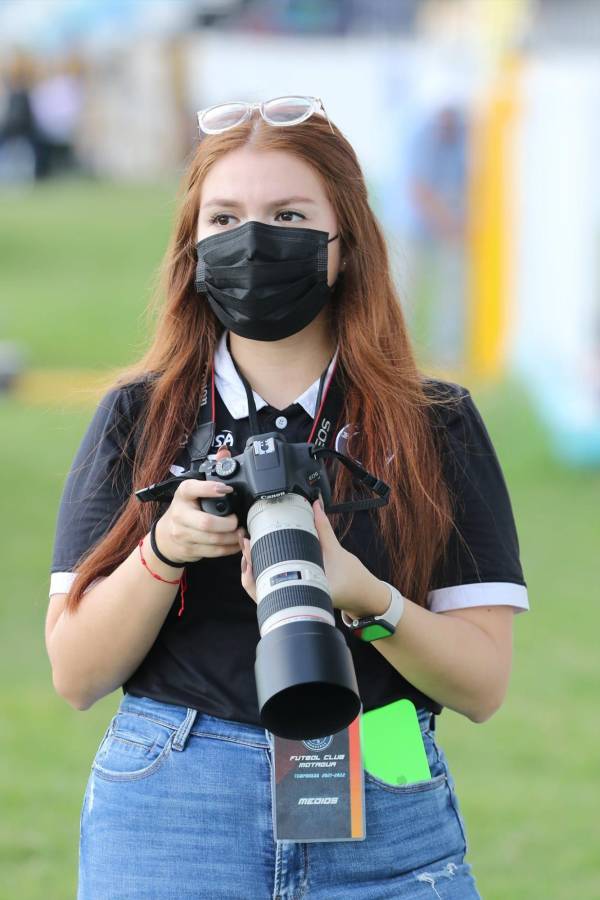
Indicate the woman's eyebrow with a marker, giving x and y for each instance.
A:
(224, 201)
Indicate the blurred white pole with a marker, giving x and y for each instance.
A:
(557, 342)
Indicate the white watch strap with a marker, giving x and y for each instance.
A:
(393, 613)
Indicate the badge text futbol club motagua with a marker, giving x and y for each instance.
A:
(318, 788)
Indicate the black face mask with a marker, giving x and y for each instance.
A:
(264, 282)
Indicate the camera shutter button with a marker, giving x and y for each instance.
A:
(227, 467)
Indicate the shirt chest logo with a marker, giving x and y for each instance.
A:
(223, 439)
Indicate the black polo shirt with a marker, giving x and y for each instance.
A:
(205, 658)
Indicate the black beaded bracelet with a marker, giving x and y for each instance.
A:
(157, 553)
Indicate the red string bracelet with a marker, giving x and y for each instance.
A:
(182, 582)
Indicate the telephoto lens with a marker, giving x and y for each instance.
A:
(305, 676)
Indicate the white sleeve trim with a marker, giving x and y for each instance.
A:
(485, 593)
(60, 582)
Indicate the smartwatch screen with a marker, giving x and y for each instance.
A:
(374, 632)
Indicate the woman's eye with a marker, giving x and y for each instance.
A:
(284, 215)
(287, 213)
(217, 219)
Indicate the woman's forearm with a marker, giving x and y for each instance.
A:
(95, 649)
(450, 660)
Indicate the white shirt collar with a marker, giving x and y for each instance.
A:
(232, 391)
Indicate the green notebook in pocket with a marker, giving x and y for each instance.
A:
(392, 744)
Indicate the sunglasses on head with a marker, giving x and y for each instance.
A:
(280, 112)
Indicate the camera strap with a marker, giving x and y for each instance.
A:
(361, 475)
(328, 408)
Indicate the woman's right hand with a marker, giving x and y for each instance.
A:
(185, 533)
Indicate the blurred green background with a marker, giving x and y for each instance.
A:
(78, 260)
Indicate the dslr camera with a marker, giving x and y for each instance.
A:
(305, 678)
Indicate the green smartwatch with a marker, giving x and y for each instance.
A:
(373, 628)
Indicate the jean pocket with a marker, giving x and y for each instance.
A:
(414, 787)
(133, 747)
(438, 772)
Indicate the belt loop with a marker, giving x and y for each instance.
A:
(182, 733)
(432, 722)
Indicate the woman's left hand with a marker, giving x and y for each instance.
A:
(350, 582)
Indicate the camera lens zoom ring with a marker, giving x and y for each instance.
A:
(283, 544)
(290, 597)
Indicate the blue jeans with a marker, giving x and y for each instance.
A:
(178, 807)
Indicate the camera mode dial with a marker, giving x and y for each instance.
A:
(227, 467)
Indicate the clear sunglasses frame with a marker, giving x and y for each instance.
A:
(315, 105)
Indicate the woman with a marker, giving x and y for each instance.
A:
(178, 802)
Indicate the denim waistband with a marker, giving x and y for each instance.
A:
(178, 717)
(173, 716)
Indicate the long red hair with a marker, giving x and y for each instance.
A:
(385, 395)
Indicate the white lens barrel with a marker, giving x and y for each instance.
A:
(298, 570)
(277, 513)
(288, 563)
(298, 614)
(293, 574)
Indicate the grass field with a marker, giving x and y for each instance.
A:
(76, 262)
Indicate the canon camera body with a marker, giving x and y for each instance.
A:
(268, 467)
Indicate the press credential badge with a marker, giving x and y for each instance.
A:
(318, 788)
